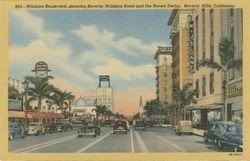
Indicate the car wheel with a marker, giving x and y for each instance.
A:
(205, 139)
(11, 137)
(114, 132)
(94, 135)
(219, 144)
(126, 132)
(235, 149)
(176, 132)
(37, 133)
(79, 136)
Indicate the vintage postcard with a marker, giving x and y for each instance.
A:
(128, 80)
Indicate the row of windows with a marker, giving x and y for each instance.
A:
(203, 89)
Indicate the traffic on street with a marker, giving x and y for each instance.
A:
(152, 139)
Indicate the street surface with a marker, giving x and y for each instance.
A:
(155, 139)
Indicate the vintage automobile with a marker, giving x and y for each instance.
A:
(214, 129)
(231, 138)
(89, 129)
(139, 125)
(50, 127)
(120, 126)
(63, 126)
(184, 126)
(16, 130)
(36, 128)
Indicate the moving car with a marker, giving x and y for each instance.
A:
(139, 125)
(16, 130)
(120, 126)
(183, 126)
(63, 126)
(89, 129)
(215, 129)
(232, 138)
(50, 127)
(36, 128)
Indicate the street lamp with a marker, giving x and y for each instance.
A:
(26, 87)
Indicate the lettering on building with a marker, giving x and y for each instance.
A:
(191, 44)
(235, 91)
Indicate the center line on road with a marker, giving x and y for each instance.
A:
(177, 147)
(93, 143)
(132, 141)
(141, 143)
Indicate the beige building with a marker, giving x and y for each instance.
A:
(209, 27)
(163, 78)
(105, 97)
(179, 40)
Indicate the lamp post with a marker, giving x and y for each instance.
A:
(26, 87)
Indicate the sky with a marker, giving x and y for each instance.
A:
(78, 46)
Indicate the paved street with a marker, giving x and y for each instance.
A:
(152, 140)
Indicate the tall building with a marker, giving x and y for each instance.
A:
(163, 78)
(105, 92)
(210, 26)
(140, 109)
(180, 46)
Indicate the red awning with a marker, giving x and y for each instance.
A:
(18, 114)
(46, 115)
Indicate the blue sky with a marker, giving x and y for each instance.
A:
(80, 45)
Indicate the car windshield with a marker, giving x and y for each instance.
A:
(139, 123)
(236, 129)
(120, 123)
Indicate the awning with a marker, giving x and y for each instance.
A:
(46, 115)
(206, 107)
(18, 114)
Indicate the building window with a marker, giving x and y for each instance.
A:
(211, 83)
(204, 86)
(212, 34)
(165, 89)
(197, 41)
(165, 74)
(232, 34)
(203, 34)
(231, 74)
(197, 88)
(231, 12)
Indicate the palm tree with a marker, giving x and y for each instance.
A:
(61, 98)
(71, 98)
(182, 98)
(227, 62)
(40, 89)
(100, 109)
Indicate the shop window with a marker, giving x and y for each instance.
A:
(211, 83)
(197, 88)
(204, 86)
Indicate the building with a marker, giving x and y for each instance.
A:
(164, 82)
(210, 26)
(82, 111)
(163, 78)
(105, 93)
(180, 46)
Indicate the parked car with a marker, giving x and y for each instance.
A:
(184, 126)
(50, 127)
(36, 128)
(215, 129)
(16, 130)
(232, 138)
(151, 123)
(139, 125)
(120, 126)
(89, 129)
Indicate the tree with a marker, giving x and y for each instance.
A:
(152, 107)
(182, 98)
(100, 110)
(61, 98)
(14, 93)
(40, 89)
(227, 62)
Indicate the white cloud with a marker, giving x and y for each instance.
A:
(116, 67)
(36, 25)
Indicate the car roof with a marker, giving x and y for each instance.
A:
(223, 122)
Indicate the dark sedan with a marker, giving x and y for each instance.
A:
(215, 129)
(120, 126)
(232, 138)
(50, 127)
(16, 130)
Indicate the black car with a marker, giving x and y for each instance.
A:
(63, 126)
(139, 125)
(120, 126)
(89, 129)
(215, 129)
(232, 138)
(16, 130)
